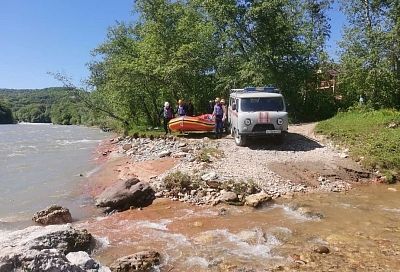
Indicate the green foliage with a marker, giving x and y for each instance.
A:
(6, 116)
(373, 135)
(56, 105)
(200, 49)
(370, 59)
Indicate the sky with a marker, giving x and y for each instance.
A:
(37, 37)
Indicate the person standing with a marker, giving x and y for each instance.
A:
(210, 107)
(167, 114)
(225, 117)
(190, 108)
(218, 115)
(181, 110)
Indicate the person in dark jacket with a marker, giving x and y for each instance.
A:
(218, 115)
(167, 114)
(210, 107)
(190, 108)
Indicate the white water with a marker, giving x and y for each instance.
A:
(40, 165)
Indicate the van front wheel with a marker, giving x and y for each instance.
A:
(240, 140)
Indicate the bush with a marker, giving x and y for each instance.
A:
(179, 182)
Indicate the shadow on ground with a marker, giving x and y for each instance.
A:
(292, 142)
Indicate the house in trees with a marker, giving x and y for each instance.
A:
(328, 80)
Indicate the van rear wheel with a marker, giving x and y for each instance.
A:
(240, 140)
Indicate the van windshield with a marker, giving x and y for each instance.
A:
(262, 104)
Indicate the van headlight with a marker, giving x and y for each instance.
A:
(279, 121)
(247, 122)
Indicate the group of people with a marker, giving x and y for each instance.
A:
(182, 109)
(217, 108)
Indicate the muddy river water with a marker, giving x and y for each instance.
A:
(360, 228)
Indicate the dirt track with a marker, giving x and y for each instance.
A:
(302, 163)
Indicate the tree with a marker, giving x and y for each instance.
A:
(5, 114)
(200, 49)
(260, 46)
(168, 54)
(371, 52)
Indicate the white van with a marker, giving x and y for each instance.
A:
(256, 111)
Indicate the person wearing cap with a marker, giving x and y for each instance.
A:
(225, 117)
(167, 114)
(218, 115)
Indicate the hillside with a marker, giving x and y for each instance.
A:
(49, 105)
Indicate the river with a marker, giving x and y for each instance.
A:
(360, 228)
(43, 164)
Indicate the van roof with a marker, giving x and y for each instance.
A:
(254, 94)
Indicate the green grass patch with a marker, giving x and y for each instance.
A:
(372, 135)
(148, 132)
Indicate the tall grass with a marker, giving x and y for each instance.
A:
(371, 135)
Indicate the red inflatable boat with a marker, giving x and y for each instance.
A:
(203, 122)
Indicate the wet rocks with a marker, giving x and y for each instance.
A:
(256, 200)
(252, 236)
(82, 259)
(43, 248)
(226, 196)
(140, 262)
(306, 211)
(190, 188)
(53, 214)
(125, 194)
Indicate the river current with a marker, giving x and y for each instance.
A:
(43, 164)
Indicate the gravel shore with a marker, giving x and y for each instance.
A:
(301, 164)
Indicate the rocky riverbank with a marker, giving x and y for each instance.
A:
(213, 171)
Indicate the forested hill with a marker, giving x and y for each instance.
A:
(56, 105)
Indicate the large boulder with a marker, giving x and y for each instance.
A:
(53, 215)
(44, 249)
(138, 262)
(125, 194)
(255, 200)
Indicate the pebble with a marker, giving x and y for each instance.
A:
(321, 250)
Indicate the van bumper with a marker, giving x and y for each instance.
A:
(263, 133)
